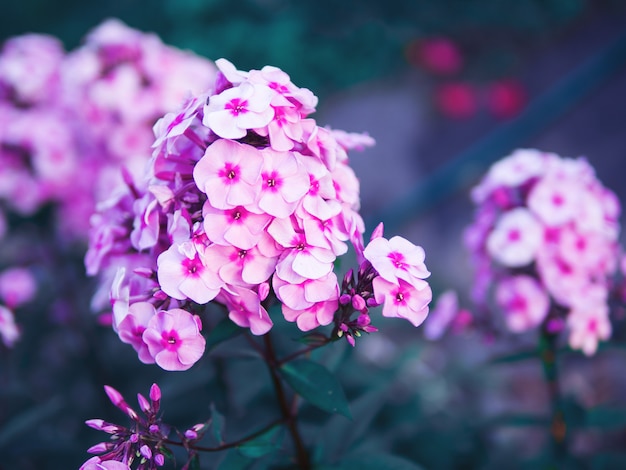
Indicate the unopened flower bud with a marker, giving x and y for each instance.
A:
(378, 231)
(159, 459)
(264, 290)
(155, 396)
(154, 428)
(358, 303)
(191, 434)
(345, 299)
(144, 272)
(145, 451)
(160, 295)
(99, 448)
(144, 404)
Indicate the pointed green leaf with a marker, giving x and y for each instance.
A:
(223, 331)
(262, 445)
(317, 385)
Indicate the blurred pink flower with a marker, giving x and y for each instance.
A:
(438, 55)
(506, 98)
(457, 100)
(523, 300)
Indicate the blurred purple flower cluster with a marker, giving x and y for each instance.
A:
(545, 238)
(70, 121)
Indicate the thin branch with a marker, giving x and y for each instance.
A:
(228, 445)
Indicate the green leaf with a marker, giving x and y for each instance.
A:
(262, 445)
(217, 424)
(223, 331)
(235, 461)
(317, 385)
(339, 433)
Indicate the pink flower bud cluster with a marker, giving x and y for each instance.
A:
(545, 237)
(143, 444)
(77, 117)
(245, 197)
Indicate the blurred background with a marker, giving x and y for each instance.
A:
(446, 88)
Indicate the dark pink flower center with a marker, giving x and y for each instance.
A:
(514, 235)
(192, 266)
(170, 340)
(272, 180)
(558, 200)
(397, 259)
(230, 173)
(237, 106)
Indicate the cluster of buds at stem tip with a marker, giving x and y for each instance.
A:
(141, 443)
(357, 295)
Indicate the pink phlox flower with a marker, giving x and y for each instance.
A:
(588, 321)
(273, 77)
(17, 286)
(397, 258)
(147, 223)
(442, 315)
(179, 226)
(562, 279)
(174, 339)
(184, 273)
(589, 250)
(352, 140)
(321, 199)
(285, 129)
(244, 267)
(403, 300)
(512, 171)
(237, 226)
(524, 302)
(96, 463)
(303, 295)
(131, 328)
(173, 125)
(328, 233)
(318, 314)
(29, 66)
(322, 144)
(235, 110)
(126, 286)
(554, 201)
(284, 182)
(245, 309)
(346, 186)
(230, 72)
(300, 260)
(229, 174)
(9, 331)
(516, 238)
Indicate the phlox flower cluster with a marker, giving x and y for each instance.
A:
(246, 201)
(69, 121)
(545, 237)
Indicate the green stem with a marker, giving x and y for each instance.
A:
(558, 426)
(289, 416)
